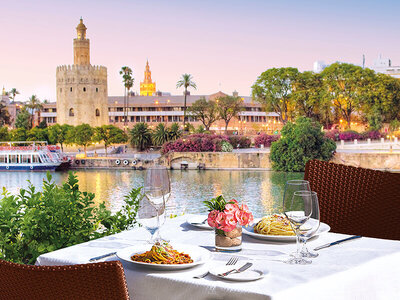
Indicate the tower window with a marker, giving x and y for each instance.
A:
(97, 89)
(97, 112)
(60, 90)
(84, 89)
(71, 112)
(70, 89)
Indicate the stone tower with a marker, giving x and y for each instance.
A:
(147, 87)
(82, 95)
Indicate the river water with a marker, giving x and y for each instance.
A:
(261, 190)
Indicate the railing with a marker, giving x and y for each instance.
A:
(382, 144)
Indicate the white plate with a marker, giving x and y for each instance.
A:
(196, 220)
(249, 230)
(248, 275)
(198, 254)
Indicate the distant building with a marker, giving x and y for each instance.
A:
(147, 87)
(384, 65)
(81, 87)
(319, 66)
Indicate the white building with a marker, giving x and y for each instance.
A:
(319, 66)
(384, 65)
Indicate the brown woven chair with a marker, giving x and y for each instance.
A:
(105, 280)
(356, 200)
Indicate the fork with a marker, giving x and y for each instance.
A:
(232, 261)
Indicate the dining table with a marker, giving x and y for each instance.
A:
(363, 268)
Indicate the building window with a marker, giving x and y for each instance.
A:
(60, 90)
(97, 112)
(97, 89)
(116, 119)
(70, 89)
(84, 89)
(71, 112)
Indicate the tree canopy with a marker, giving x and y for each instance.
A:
(205, 111)
(229, 107)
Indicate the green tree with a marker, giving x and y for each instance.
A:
(4, 134)
(83, 135)
(128, 81)
(23, 119)
(34, 105)
(140, 136)
(14, 92)
(205, 111)
(186, 81)
(174, 132)
(160, 135)
(42, 124)
(274, 90)
(58, 134)
(19, 134)
(299, 143)
(4, 115)
(229, 107)
(109, 134)
(37, 134)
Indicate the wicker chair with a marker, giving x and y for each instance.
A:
(356, 200)
(105, 280)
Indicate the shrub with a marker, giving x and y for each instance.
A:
(266, 140)
(350, 135)
(33, 223)
(299, 143)
(332, 134)
(372, 134)
(226, 146)
(239, 141)
(196, 143)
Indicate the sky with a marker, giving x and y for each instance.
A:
(224, 44)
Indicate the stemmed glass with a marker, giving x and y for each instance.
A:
(292, 186)
(147, 217)
(310, 228)
(157, 189)
(298, 210)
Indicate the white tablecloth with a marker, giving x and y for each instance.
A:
(365, 268)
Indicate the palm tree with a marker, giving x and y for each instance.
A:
(34, 105)
(140, 136)
(174, 132)
(128, 81)
(160, 135)
(14, 92)
(186, 81)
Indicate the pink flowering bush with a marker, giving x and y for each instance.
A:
(196, 143)
(239, 141)
(350, 135)
(266, 140)
(226, 216)
(372, 134)
(332, 134)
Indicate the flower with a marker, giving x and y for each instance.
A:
(244, 217)
(211, 220)
(231, 208)
(230, 222)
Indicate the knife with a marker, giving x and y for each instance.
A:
(244, 268)
(337, 242)
(102, 256)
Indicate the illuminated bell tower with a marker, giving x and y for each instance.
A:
(81, 46)
(147, 87)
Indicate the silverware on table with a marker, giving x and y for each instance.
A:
(102, 256)
(200, 223)
(232, 261)
(241, 269)
(337, 242)
(201, 275)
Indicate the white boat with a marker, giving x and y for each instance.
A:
(29, 156)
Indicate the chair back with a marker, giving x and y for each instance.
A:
(104, 280)
(356, 200)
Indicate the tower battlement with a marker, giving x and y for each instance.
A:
(64, 68)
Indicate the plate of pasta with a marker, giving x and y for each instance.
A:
(164, 256)
(277, 228)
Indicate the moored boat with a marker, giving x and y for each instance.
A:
(29, 156)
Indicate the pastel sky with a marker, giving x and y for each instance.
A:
(224, 44)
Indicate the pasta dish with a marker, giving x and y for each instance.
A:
(162, 253)
(274, 225)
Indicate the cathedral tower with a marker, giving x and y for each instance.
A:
(82, 95)
(147, 87)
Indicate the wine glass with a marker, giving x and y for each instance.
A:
(157, 188)
(292, 186)
(298, 210)
(147, 216)
(310, 228)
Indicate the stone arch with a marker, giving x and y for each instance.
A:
(71, 112)
(97, 112)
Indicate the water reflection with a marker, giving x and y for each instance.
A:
(261, 190)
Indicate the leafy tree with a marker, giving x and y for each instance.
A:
(23, 119)
(4, 115)
(14, 92)
(394, 125)
(34, 105)
(274, 89)
(58, 134)
(35, 222)
(186, 81)
(229, 107)
(42, 124)
(345, 86)
(299, 143)
(83, 135)
(19, 134)
(4, 134)
(205, 111)
(109, 134)
(37, 134)
(140, 136)
(128, 81)
(160, 135)
(174, 132)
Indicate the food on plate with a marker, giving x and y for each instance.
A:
(274, 225)
(162, 253)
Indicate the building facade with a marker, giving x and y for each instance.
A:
(81, 87)
(147, 87)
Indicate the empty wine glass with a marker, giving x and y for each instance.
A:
(292, 186)
(310, 228)
(298, 210)
(147, 216)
